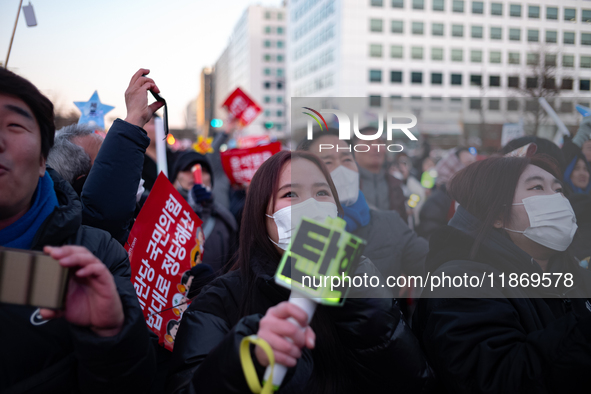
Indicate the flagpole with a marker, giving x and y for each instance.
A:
(13, 31)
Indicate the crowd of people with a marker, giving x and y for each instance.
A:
(75, 195)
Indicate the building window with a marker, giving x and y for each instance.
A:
(533, 12)
(512, 105)
(267, 44)
(376, 3)
(584, 84)
(416, 77)
(267, 112)
(514, 58)
(495, 57)
(418, 4)
(267, 29)
(397, 3)
(585, 38)
(475, 80)
(437, 29)
(552, 13)
(515, 34)
(494, 80)
(457, 30)
(551, 36)
(267, 71)
(376, 25)
(279, 58)
(456, 79)
(267, 58)
(396, 76)
(417, 53)
(549, 83)
(279, 30)
(375, 50)
(279, 99)
(375, 75)
(267, 99)
(417, 28)
(397, 26)
(477, 7)
(533, 59)
(567, 84)
(568, 60)
(550, 60)
(280, 16)
(267, 85)
(279, 85)
(457, 55)
(513, 82)
(438, 5)
(279, 44)
(570, 14)
(586, 16)
(279, 72)
(375, 101)
(436, 78)
(496, 8)
(475, 104)
(515, 10)
(476, 56)
(436, 53)
(533, 35)
(568, 37)
(396, 51)
(476, 31)
(566, 106)
(531, 82)
(494, 105)
(496, 33)
(279, 113)
(458, 6)
(585, 62)
(267, 15)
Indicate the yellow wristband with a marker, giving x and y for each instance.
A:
(248, 366)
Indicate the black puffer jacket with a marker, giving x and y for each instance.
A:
(57, 357)
(372, 344)
(508, 341)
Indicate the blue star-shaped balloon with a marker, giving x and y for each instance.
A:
(93, 111)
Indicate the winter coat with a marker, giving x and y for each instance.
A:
(435, 213)
(581, 247)
(57, 357)
(109, 193)
(383, 191)
(373, 344)
(392, 246)
(506, 340)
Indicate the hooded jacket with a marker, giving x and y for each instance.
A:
(503, 339)
(378, 350)
(55, 356)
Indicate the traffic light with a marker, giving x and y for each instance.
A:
(216, 123)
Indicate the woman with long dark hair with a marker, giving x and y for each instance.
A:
(528, 333)
(363, 346)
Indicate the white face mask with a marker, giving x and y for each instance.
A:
(288, 218)
(347, 183)
(552, 221)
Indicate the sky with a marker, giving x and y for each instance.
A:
(79, 46)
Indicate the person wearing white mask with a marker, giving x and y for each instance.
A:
(365, 346)
(391, 245)
(525, 325)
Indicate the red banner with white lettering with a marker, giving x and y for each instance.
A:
(242, 107)
(165, 242)
(241, 164)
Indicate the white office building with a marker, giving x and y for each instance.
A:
(255, 61)
(437, 51)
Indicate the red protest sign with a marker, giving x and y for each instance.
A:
(165, 242)
(242, 107)
(241, 164)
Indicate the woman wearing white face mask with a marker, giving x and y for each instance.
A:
(391, 245)
(530, 334)
(363, 346)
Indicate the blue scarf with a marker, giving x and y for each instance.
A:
(568, 173)
(21, 233)
(357, 215)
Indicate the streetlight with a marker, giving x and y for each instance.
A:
(31, 21)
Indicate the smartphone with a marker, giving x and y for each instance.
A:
(32, 278)
(197, 174)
